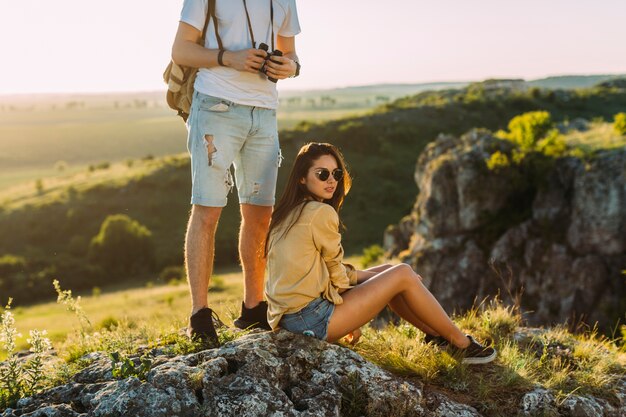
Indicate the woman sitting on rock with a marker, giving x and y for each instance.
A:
(310, 291)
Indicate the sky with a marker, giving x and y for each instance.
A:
(124, 45)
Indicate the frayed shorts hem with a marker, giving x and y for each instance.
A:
(312, 320)
(256, 201)
(208, 202)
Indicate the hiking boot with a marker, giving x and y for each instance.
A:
(475, 353)
(202, 326)
(253, 318)
(436, 340)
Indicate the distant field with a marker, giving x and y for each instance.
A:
(37, 133)
(33, 142)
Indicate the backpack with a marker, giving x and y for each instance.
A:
(180, 78)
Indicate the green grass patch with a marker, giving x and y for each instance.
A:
(551, 358)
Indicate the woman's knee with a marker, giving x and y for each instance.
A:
(405, 273)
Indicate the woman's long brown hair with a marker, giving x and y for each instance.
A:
(297, 194)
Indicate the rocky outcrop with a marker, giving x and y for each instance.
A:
(552, 229)
(260, 374)
(278, 374)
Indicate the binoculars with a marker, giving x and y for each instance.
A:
(269, 56)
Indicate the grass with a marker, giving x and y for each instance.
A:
(600, 135)
(162, 308)
(56, 187)
(552, 358)
(130, 320)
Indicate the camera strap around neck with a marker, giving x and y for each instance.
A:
(245, 6)
(211, 15)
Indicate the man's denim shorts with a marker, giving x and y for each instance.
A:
(223, 133)
(312, 320)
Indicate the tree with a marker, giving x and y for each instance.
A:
(122, 246)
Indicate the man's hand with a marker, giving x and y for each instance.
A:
(249, 60)
(353, 337)
(282, 68)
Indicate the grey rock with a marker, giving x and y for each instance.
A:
(61, 410)
(446, 408)
(565, 251)
(577, 406)
(598, 206)
(539, 402)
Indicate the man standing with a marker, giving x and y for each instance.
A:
(233, 121)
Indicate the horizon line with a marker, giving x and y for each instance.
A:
(140, 91)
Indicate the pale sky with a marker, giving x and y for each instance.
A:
(124, 45)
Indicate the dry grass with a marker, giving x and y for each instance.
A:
(551, 358)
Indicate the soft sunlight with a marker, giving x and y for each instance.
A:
(87, 46)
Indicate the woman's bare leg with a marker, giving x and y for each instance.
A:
(365, 301)
(399, 306)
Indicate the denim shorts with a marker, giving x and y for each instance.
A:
(223, 133)
(312, 320)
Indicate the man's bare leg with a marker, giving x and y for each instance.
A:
(255, 221)
(199, 253)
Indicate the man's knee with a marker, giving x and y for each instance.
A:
(256, 215)
(205, 217)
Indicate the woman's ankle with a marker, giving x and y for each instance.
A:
(461, 341)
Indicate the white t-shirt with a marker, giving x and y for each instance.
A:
(225, 82)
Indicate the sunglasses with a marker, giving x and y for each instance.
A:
(322, 174)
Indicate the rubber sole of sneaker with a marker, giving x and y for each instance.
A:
(482, 360)
(246, 325)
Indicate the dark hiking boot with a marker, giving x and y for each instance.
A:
(436, 340)
(202, 326)
(253, 318)
(475, 353)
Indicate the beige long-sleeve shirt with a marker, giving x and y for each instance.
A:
(306, 262)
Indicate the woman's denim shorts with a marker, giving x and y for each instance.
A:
(312, 320)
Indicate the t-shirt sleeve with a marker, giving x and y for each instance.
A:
(327, 239)
(291, 25)
(194, 12)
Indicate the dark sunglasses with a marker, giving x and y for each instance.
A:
(322, 174)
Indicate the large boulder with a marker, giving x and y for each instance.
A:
(259, 374)
(556, 235)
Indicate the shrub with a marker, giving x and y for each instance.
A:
(371, 255)
(109, 323)
(619, 123)
(498, 161)
(10, 264)
(526, 129)
(217, 284)
(20, 379)
(123, 245)
(60, 166)
(39, 186)
(553, 144)
(170, 273)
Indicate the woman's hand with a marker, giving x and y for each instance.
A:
(353, 337)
